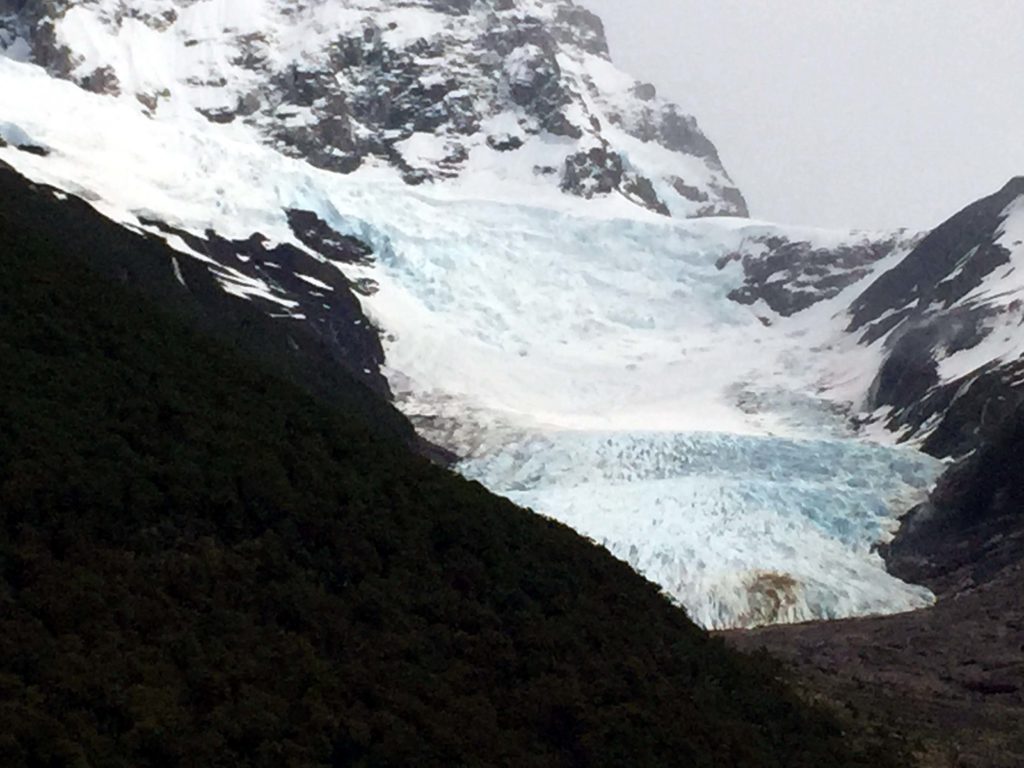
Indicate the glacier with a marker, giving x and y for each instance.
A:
(742, 530)
(592, 370)
(581, 356)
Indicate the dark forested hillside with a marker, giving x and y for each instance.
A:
(337, 361)
(203, 564)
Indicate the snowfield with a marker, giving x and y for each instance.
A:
(581, 356)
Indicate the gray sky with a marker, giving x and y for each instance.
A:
(864, 113)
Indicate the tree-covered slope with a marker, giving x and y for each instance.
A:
(337, 361)
(201, 563)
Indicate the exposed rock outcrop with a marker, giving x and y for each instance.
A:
(790, 276)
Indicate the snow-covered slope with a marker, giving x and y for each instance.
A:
(948, 322)
(500, 91)
(678, 389)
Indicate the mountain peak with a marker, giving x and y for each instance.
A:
(517, 91)
(1014, 187)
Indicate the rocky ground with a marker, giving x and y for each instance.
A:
(951, 678)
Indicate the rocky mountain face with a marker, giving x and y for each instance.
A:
(505, 91)
(787, 274)
(436, 89)
(971, 532)
(947, 321)
(950, 321)
(943, 312)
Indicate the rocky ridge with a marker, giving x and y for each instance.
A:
(949, 319)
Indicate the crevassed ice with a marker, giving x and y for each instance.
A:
(742, 530)
(593, 370)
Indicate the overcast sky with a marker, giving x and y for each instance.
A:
(863, 113)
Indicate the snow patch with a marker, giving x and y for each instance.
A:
(314, 282)
(15, 135)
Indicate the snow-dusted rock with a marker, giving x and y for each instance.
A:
(790, 276)
(949, 321)
(435, 88)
